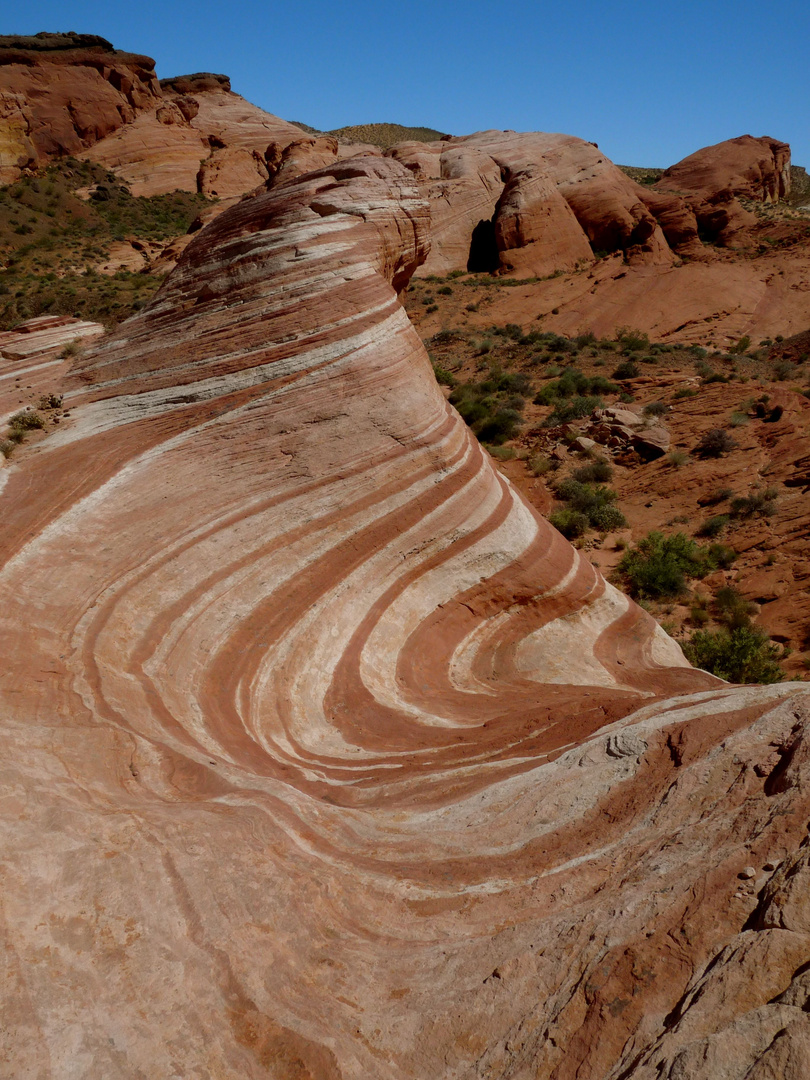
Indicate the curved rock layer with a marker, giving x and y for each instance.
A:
(323, 754)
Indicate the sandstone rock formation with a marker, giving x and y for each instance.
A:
(61, 93)
(323, 754)
(756, 168)
(530, 203)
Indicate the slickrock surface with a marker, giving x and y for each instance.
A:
(30, 360)
(323, 754)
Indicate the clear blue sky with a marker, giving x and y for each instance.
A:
(649, 83)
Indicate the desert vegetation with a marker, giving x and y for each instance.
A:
(52, 242)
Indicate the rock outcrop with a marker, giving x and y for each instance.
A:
(323, 754)
(531, 204)
(754, 168)
(62, 93)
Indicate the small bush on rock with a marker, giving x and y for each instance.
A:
(715, 443)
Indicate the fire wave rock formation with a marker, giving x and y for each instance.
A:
(324, 755)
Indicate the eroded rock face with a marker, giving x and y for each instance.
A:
(324, 755)
(61, 93)
(756, 168)
(550, 201)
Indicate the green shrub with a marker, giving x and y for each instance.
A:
(574, 409)
(571, 523)
(443, 376)
(717, 496)
(503, 424)
(632, 340)
(594, 472)
(628, 369)
(594, 501)
(539, 464)
(759, 502)
(574, 383)
(655, 408)
(684, 392)
(742, 655)
(502, 453)
(660, 565)
(677, 458)
(742, 345)
(714, 526)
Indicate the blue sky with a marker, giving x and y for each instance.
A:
(649, 83)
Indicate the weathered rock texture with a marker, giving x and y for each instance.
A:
(323, 754)
(529, 203)
(61, 93)
(756, 168)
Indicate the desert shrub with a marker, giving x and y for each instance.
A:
(513, 382)
(572, 409)
(741, 655)
(758, 502)
(50, 401)
(503, 424)
(715, 443)
(684, 392)
(594, 472)
(445, 291)
(6, 447)
(574, 383)
(628, 369)
(443, 376)
(595, 501)
(698, 613)
(632, 340)
(26, 421)
(731, 607)
(714, 526)
(717, 496)
(655, 408)
(782, 369)
(738, 418)
(660, 565)
(583, 340)
(539, 464)
(742, 345)
(571, 523)
(677, 458)
(502, 453)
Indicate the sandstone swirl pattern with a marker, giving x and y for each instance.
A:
(324, 755)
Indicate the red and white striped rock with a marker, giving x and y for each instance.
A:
(323, 754)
